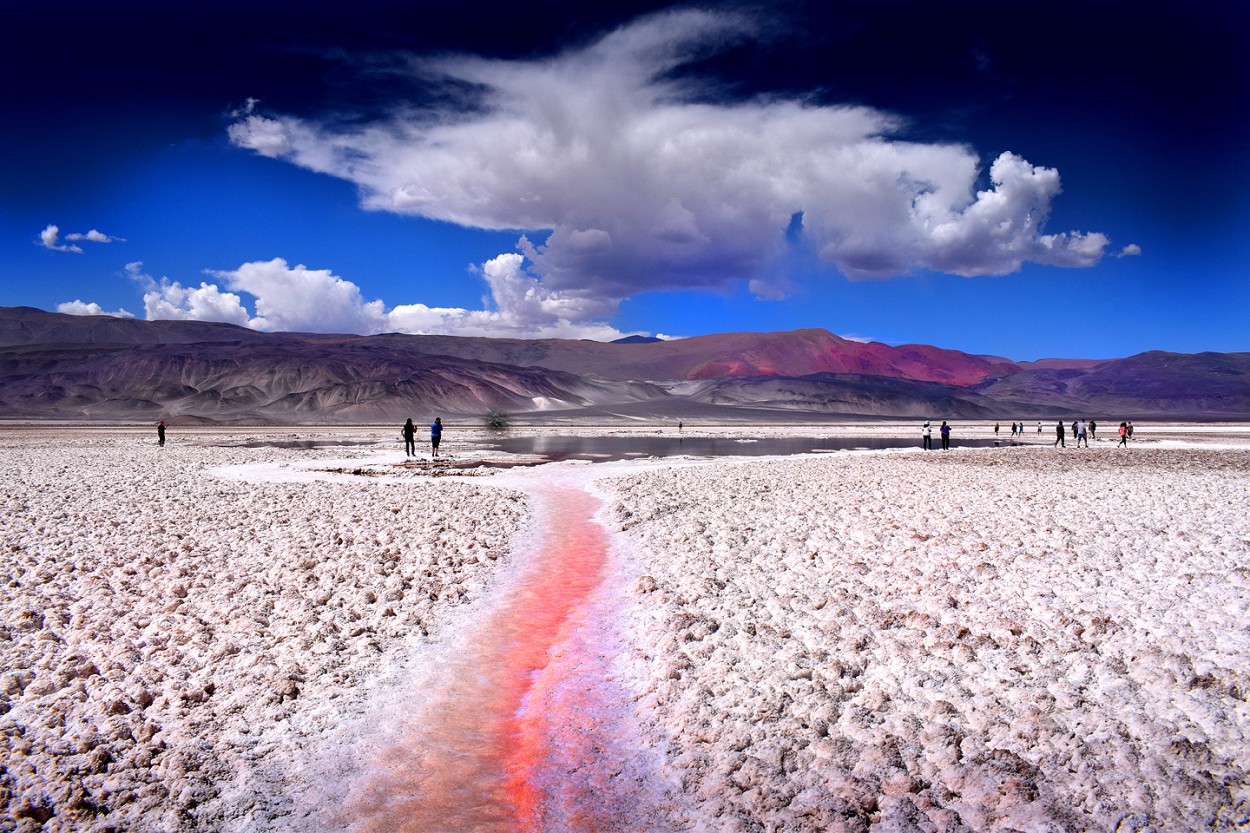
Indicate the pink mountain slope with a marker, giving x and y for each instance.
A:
(801, 352)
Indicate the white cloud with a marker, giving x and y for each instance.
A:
(82, 308)
(49, 238)
(518, 307)
(298, 299)
(265, 136)
(644, 185)
(249, 107)
(767, 290)
(169, 300)
(1131, 250)
(95, 236)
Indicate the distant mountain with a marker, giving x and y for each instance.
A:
(724, 355)
(636, 340)
(1198, 385)
(56, 366)
(27, 325)
(847, 394)
(280, 379)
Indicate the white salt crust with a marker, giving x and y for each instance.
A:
(1019, 639)
(175, 646)
(1011, 639)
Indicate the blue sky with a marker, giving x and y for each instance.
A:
(1027, 180)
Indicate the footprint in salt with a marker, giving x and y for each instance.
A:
(526, 729)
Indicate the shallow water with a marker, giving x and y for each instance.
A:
(306, 444)
(479, 752)
(557, 447)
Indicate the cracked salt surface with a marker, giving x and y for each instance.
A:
(175, 646)
(1013, 639)
(1041, 641)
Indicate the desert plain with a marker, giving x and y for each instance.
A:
(256, 629)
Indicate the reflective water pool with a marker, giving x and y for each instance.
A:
(556, 447)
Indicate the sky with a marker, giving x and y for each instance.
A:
(1017, 179)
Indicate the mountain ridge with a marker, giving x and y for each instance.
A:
(55, 366)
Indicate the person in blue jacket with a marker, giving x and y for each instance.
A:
(436, 433)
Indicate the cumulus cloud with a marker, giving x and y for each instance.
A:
(77, 307)
(164, 299)
(298, 299)
(291, 298)
(519, 306)
(50, 237)
(640, 183)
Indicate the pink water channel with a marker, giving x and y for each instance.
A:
(514, 735)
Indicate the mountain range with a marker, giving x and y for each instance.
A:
(66, 367)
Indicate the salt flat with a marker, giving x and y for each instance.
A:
(1023, 639)
(1017, 638)
(172, 641)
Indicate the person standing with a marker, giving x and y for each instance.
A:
(436, 434)
(926, 435)
(1059, 435)
(1039, 427)
(1123, 436)
(160, 433)
(1081, 435)
(1093, 426)
(1130, 429)
(410, 438)
(995, 432)
(946, 436)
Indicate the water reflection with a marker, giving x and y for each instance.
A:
(557, 447)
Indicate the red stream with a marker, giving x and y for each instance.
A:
(473, 759)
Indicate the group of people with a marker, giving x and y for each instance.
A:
(1017, 429)
(1083, 431)
(409, 432)
(927, 434)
